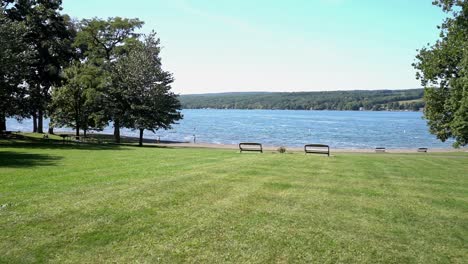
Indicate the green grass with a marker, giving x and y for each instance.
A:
(109, 203)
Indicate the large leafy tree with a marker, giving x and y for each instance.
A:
(78, 103)
(146, 89)
(14, 54)
(103, 43)
(48, 35)
(443, 71)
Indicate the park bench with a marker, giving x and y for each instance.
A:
(250, 147)
(65, 138)
(422, 149)
(380, 149)
(317, 149)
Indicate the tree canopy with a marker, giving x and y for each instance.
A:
(83, 74)
(103, 43)
(443, 70)
(79, 102)
(46, 33)
(146, 88)
(14, 55)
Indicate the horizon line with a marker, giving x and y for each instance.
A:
(229, 92)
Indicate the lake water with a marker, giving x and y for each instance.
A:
(339, 129)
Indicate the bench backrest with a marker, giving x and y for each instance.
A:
(380, 149)
(248, 146)
(317, 148)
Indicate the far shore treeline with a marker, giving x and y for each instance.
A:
(81, 74)
(377, 100)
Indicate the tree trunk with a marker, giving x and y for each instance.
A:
(40, 119)
(117, 131)
(84, 132)
(77, 131)
(141, 137)
(34, 116)
(2, 123)
(50, 130)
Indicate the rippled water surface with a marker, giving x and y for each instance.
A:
(339, 129)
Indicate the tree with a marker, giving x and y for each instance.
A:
(48, 36)
(13, 55)
(443, 71)
(78, 103)
(103, 42)
(146, 89)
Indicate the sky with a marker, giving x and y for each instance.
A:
(266, 45)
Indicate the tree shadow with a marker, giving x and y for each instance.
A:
(20, 160)
(25, 141)
(35, 144)
(153, 146)
(105, 143)
(40, 144)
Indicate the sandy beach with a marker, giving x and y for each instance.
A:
(299, 149)
(268, 148)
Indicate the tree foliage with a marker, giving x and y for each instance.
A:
(100, 71)
(14, 55)
(49, 37)
(146, 89)
(443, 70)
(103, 43)
(78, 103)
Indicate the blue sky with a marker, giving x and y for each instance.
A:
(296, 45)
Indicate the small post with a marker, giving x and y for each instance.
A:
(194, 136)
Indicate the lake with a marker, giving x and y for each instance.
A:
(339, 129)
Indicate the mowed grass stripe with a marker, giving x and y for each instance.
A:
(130, 204)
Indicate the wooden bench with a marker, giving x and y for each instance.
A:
(317, 149)
(246, 146)
(380, 149)
(65, 138)
(422, 149)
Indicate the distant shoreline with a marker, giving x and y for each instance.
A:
(303, 110)
(354, 100)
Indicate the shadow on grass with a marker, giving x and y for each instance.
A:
(55, 144)
(25, 141)
(151, 146)
(19, 160)
(39, 143)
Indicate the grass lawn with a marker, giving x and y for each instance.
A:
(91, 203)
